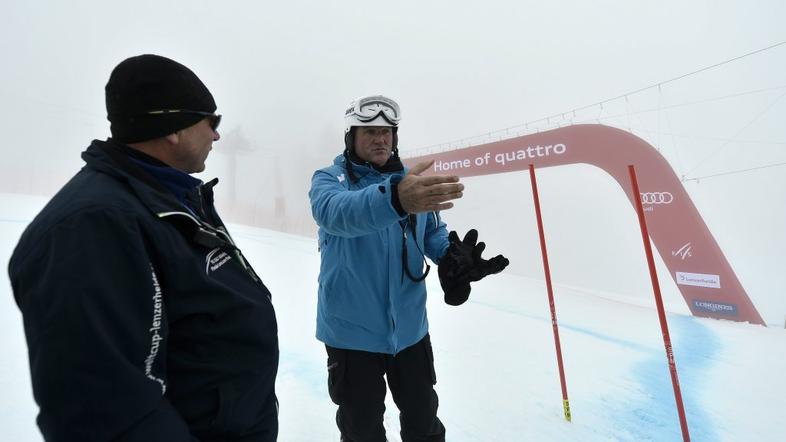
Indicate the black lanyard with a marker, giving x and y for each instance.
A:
(411, 221)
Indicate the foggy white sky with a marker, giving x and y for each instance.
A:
(283, 72)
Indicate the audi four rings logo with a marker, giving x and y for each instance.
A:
(657, 198)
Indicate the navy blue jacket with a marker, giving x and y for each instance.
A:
(143, 321)
(366, 300)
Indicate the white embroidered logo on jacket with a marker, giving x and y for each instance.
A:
(213, 262)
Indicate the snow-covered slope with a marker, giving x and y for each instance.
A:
(495, 357)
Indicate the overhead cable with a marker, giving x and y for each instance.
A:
(600, 103)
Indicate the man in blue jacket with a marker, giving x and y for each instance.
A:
(377, 224)
(144, 322)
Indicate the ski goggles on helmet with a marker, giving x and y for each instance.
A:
(363, 112)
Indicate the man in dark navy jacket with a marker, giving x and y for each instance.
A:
(144, 321)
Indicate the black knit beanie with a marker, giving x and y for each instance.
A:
(146, 83)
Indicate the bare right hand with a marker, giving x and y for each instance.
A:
(428, 194)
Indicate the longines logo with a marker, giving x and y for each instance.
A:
(716, 307)
(683, 252)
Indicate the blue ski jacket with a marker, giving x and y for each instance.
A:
(366, 300)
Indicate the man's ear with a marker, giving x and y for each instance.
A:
(173, 138)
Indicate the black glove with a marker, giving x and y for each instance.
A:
(463, 264)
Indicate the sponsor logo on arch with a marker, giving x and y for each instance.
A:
(651, 199)
(698, 280)
(715, 307)
(683, 252)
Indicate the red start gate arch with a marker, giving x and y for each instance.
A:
(694, 259)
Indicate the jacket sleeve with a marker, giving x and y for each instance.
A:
(96, 327)
(349, 213)
(436, 237)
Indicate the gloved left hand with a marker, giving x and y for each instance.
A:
(463, 264)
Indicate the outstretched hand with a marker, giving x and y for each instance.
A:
(428, 194)
(480, 268)
(463, 264)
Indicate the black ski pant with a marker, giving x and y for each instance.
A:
(357, 385)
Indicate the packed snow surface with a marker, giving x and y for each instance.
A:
(495, 359)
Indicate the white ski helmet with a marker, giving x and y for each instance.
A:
(372, 110)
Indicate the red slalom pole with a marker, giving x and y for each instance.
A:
(645, 236)
(563, 384)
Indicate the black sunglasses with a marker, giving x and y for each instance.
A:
(214, 119)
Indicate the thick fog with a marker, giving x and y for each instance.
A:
(282, 73)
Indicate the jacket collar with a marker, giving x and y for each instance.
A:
(362, 168)
(179, 183)
(122, 162)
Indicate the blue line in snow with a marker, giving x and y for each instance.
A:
(305, 370)
(566, 326)
(654, 416)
